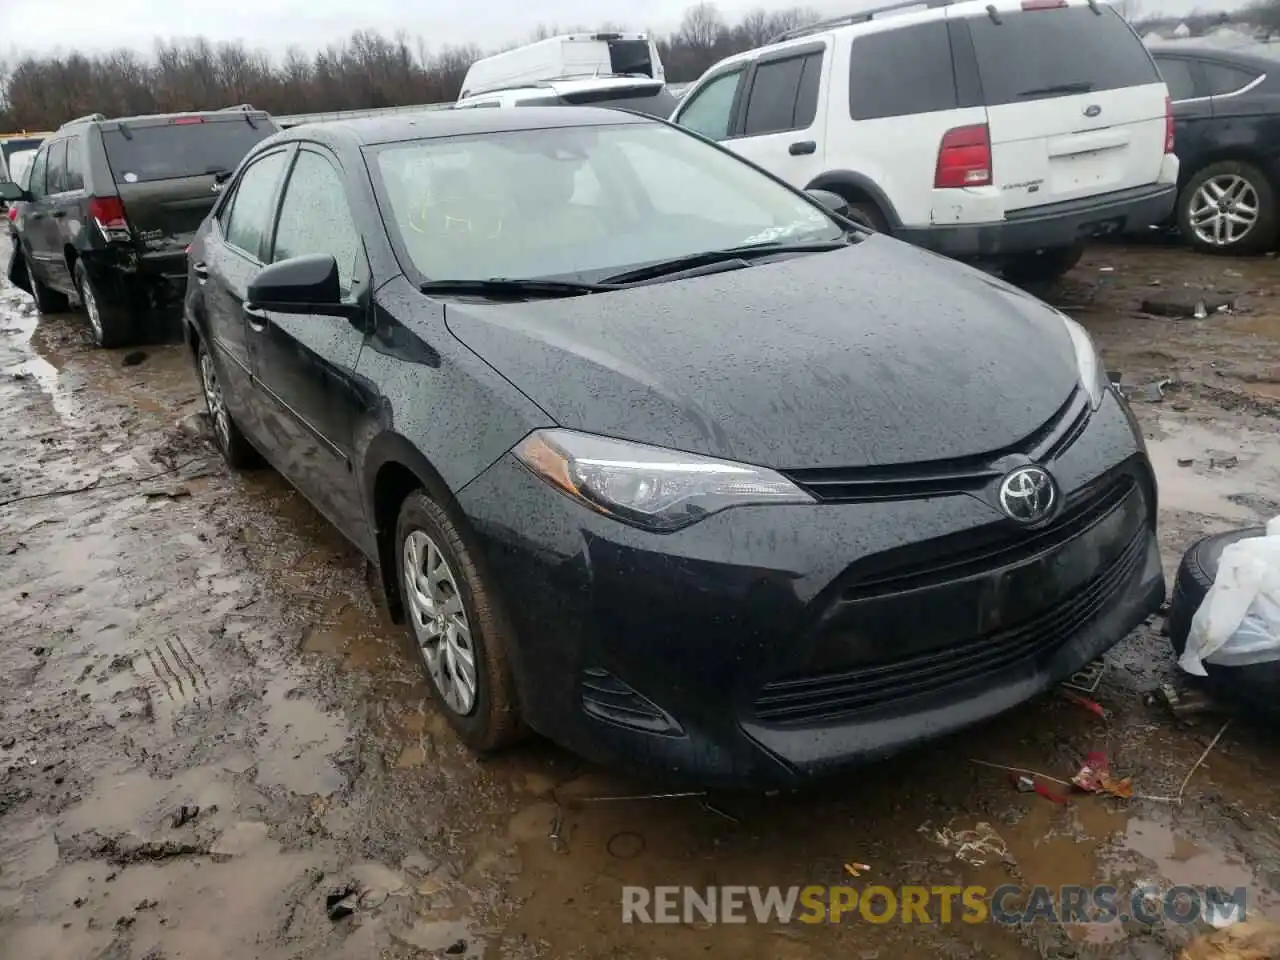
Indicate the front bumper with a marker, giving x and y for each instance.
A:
(763, 646)
(1048, 227)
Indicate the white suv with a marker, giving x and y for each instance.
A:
(1009, 131)
(639, 94)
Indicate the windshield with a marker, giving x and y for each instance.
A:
(580, 202)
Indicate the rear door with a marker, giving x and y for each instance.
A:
(778, 125)
(304, 363)
(36, 228)
(165, 173)
(1075, 105)
(1193, 135)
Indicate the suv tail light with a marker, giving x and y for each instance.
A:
(1168, 125)
(13, 214)
(182, 121)
(108, 214)
(964, 158)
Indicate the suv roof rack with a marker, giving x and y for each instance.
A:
(239, 108)
(88, 118)
(862, 16)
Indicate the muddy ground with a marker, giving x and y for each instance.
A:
(207, 729)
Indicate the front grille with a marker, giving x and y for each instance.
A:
(605, 697)
(941, 478)
(847, 693)
(981, 550)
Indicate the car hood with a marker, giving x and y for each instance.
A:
(873, 355)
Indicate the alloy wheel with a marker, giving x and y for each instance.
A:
(213, 399)
(1224, 210)
(440, 622)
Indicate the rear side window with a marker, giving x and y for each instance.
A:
(897, 73)
(75, 164)
(57, 175)
(141, 154)
(1223, 78)
(251, 208)
(1037, 54)
(784, 95)
(710, 110)
(1177, 77)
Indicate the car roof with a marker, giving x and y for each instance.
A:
(1209, 52)
(564, 85)
(371, 131)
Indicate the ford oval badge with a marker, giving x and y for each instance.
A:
(1092, 110)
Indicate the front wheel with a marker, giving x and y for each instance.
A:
(231, 443)
(457, 632)
(1228, 208)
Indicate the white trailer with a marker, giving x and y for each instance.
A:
(571, 56)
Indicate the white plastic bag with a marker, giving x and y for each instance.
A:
(1238, 622)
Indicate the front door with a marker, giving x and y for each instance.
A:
(233, 253)
(37, 227)
(304, 363)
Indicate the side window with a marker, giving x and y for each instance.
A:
(784, 95)
(56, 178)
(249, 211)
(1178, 77)
(38, 167)
(75, 164)
(1223, 79)
(315, 218)
(710, 111)
(897, 73)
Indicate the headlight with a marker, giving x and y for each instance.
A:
(649, 487)
(1093, 377)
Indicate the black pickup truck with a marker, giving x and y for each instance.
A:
(111, 205)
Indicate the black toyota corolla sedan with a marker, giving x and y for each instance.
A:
(659, 457)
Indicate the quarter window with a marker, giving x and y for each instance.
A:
(784, 95)
(315, 218)
(75, 164)
(898, 73)
(39, 165)
(711, 109)
(1178, 77)
(57, 176)
(250, 210)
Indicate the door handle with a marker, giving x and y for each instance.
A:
(201, 271)
(802, 147)
(257, 319)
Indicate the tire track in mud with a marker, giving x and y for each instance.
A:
(176, 680)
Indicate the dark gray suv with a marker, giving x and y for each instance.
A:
(111, 205)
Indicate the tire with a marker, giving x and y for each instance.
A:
(1045, 267)
(231, 443)
(1196, 574)
(1249, 181)
(425, 533)
(47, 299)
(110, 325)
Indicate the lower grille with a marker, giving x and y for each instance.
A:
(605, 697)
(842, 694)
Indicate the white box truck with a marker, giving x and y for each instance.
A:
(570, 56)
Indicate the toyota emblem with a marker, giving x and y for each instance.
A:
(1028, 494)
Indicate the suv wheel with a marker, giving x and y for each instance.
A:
(231, 443)
(1044, 267)
(111, 326)
(458, 635)
(1228, 208)
(47, 299)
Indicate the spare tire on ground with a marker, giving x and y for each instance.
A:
(1256, 686)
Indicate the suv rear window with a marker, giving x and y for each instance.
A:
(1036, 54)
(172, 150)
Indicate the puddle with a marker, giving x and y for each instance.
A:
(297, 743)
(1206, 485)
(350, 634)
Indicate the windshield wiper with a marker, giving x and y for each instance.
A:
(733, 258)
(1079, 86)
(506, 288)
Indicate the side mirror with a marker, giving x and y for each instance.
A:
(11, 192)
(832, 201)
(307, 284)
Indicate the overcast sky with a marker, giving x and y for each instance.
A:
(46, 25)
